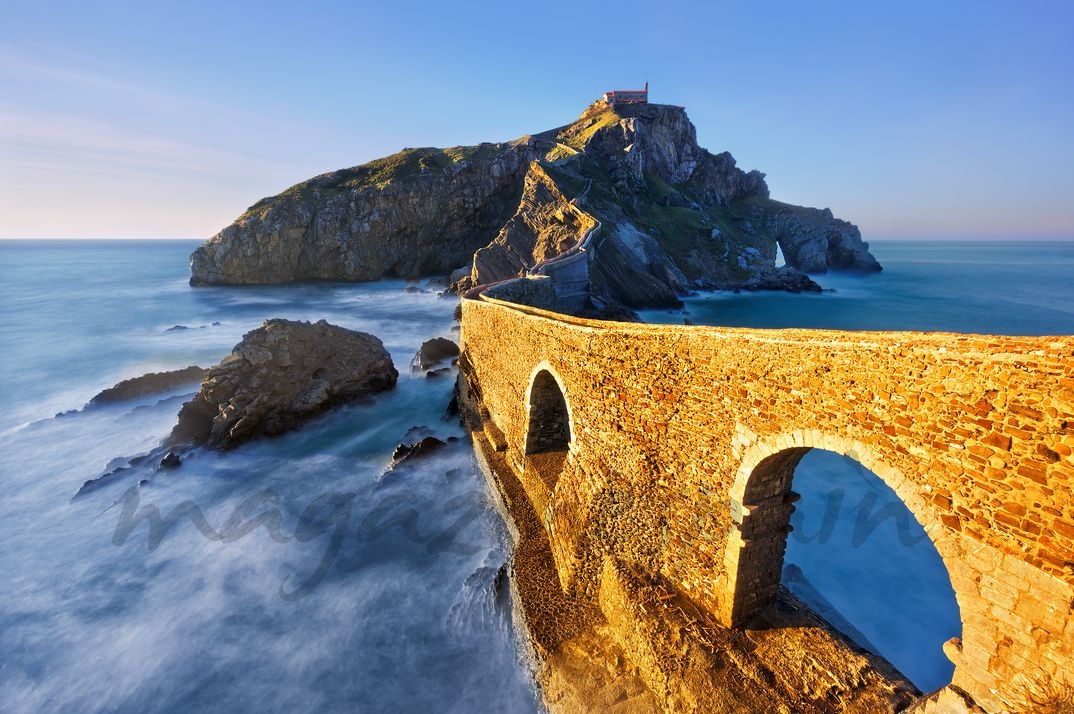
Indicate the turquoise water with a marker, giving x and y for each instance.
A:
(410, 617)
(1022, 288)
(888, 583)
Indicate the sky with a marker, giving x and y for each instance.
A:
(156, 119)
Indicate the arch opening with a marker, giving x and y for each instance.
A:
(845, 544)
(548, 435)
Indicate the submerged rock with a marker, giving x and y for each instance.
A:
(171, 460)
(149, 384)
(433, 352)
(417, 450)
(787, 279)
(784, 278)
(281, 374)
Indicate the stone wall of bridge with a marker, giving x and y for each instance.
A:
(682, 442)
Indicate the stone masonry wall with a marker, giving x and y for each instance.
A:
(672, 430)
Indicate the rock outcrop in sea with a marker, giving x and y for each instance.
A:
(655, 214)
(280, 375)
(148, 384)
(433, 353)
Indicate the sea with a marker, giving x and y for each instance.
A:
(360, 587)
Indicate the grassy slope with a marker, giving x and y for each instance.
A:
(380, 172)
(593, 120)
(685, 231)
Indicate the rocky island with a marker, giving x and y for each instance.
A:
(627, 185)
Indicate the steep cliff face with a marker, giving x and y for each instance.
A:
(662, 202)
(419, 212)
(545, 224)
(665, 215)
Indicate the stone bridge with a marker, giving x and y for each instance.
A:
(673, 448)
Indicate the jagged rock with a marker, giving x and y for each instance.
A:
(434, 351)
(633, 269)
(281, 374)
(416, 450)
(148, 384)
(786, 278)
(171, 460)
(545, 224)
(452, 409)
(458, 274)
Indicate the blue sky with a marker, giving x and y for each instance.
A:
(167, 119)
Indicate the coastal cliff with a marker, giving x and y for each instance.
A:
(664, 216)
(418, 212)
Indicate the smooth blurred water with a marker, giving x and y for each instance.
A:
(889, 583)
(411, 615)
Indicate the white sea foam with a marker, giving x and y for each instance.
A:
(196, 624)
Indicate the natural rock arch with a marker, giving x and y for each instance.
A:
(549, 428)
(761, 506)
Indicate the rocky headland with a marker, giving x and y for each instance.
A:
(280, 375)
(655, 214)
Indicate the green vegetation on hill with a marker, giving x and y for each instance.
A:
(569, 182)
(741, 208)
(576, 135)
(683, 230)
(559, 151)
(381, 172)
(658, 210)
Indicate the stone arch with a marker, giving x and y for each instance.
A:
(549, 426)
(761, 507)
